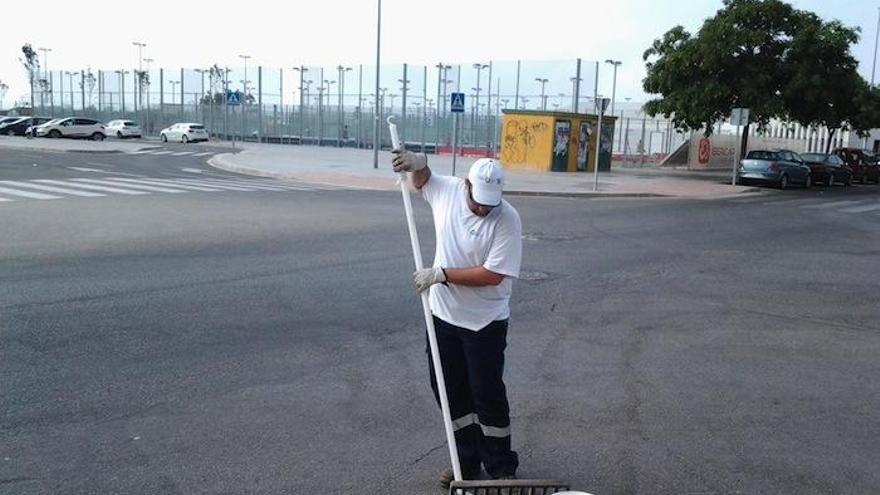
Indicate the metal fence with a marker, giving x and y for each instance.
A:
(336, 105)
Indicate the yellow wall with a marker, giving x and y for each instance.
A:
(527, 142)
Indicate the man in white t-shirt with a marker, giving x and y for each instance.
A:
(479, 251)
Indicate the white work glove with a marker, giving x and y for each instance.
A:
(427, 277)
(405, 161)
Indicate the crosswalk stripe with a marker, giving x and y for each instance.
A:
(92, 187)
(183, 153)
(204, 154)
(835, 204)
(862, 209)
(159, 182)
(27, 194)
(141, 152)
(53, 189)
(3, 200)
(131, 186)
(157, 153)
(209, 184)
(789, 202)
(244, 184)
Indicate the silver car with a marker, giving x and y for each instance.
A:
(73, 127)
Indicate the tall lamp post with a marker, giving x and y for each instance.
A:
(543, 82)
(616, 64)
(244, 97)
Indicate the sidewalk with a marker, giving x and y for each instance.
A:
(349, 167)
(74, 145)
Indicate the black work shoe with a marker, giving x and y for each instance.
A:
(447, 476)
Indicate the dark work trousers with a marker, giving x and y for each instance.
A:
(473, 368)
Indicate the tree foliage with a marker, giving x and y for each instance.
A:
(765, 55)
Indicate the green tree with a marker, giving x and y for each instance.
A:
(734, 61)
(823, 85)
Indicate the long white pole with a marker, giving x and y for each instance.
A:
(429, 319)
(598, 146)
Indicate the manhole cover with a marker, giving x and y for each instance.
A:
(541, 236)
(533, 276)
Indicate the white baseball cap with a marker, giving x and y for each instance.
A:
(487, 181)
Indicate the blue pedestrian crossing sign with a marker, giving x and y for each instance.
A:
(233, 97)
(456, 103)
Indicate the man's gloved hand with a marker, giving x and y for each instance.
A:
(405, 161)
(427, 277)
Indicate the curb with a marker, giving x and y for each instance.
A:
(220, 162)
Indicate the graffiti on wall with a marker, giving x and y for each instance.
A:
(520, 138)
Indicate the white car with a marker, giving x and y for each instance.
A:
(123, 129)
(184, 133)
(74, 127)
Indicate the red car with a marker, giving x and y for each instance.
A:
(828, 169)
(863, 165)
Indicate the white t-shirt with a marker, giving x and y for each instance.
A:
(465, 240)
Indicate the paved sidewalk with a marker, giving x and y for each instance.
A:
(354, 168)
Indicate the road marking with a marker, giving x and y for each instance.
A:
(140, 152)
(145, 188)
(244, 183)
(183, 153)
(156, 153)
(862, 209)
(833, 205)
(209, 184)
(3, 200)
(193, 170)
(204, 154)
(27, 194)
(93, 187)
(53, 189)
(789, 201)
(160, 182)
(86, 169)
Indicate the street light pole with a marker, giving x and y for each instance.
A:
(543, 82)
(476, 115)
(616, 64)
(45, 75)
(244, 98)
(342, 70)
(138, 102)
(378, 70)
(302, 74)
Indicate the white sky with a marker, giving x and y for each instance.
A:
(287, 33)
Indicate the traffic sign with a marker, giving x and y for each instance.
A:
(233, 97)
(456, 102)
(602, 104)
(739, 116)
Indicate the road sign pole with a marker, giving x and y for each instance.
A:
(454, 140)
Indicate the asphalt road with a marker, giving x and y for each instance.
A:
(269, 341)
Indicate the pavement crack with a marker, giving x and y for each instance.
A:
(426, 454)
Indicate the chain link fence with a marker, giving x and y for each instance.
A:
(337, 105)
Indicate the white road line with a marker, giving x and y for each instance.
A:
(159, 182)
(834, 204)
(204, 154)
(862, 209)
(156, 153)
(193, 170)
(183, 153)
(27, 194)
(132, 186)
(141, 152)
(244, 184)
(53, 189)
(196, 182)
(3, 200)
(92, 187)
(279, 184)
(790, 201)
(86, 169)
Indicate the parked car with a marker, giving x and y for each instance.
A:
(779, 167)
(21, 126)
(184, 133)
(123, 129)
(828, 168)
(6, 119)
(74, 127)
(863, 165)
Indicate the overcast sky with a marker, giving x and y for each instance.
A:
(283, 34)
